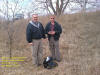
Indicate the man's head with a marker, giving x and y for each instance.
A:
(35, 17)
(52, 18)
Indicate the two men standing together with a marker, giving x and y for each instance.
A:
(34, 34)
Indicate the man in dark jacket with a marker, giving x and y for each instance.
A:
(34, 33)
(53, 30)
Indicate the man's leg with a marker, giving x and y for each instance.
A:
(57, 52)
(35, 52)
(52, 49)
(40, 53)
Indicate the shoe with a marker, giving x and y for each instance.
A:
(39, 65)
(58, 60)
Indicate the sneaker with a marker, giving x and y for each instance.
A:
(58, 60)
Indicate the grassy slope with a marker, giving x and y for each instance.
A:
(79, 46)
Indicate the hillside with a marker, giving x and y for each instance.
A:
(79, 46)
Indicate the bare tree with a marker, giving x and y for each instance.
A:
(57, 7)
(15, 8)
(84, 4)
(8, 11)
(11, 8)
(6, 14)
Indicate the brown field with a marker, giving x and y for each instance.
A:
(79, 46)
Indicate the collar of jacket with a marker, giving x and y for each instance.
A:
(54, 22)
(32, 23)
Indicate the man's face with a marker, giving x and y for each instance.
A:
(52, 18)
(35, 18)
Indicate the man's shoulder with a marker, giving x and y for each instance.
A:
(40, 23)
(48, 23)
(30, 23)
(57, 23)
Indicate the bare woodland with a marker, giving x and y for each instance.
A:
(79, 43)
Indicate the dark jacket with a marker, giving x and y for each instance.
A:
(57, 29)
(33, 32)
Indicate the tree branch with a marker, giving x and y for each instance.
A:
(65, 5)
(52, 7)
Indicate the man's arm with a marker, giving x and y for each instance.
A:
(28, 34)
(47, 29)
(59, 29)
(43, 32)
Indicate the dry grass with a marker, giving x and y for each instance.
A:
(79, 46)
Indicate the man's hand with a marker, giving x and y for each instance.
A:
(51, 32)
(30, 43)
(45, 40)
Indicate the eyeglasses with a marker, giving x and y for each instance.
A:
(35, 17)
(52, 18)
